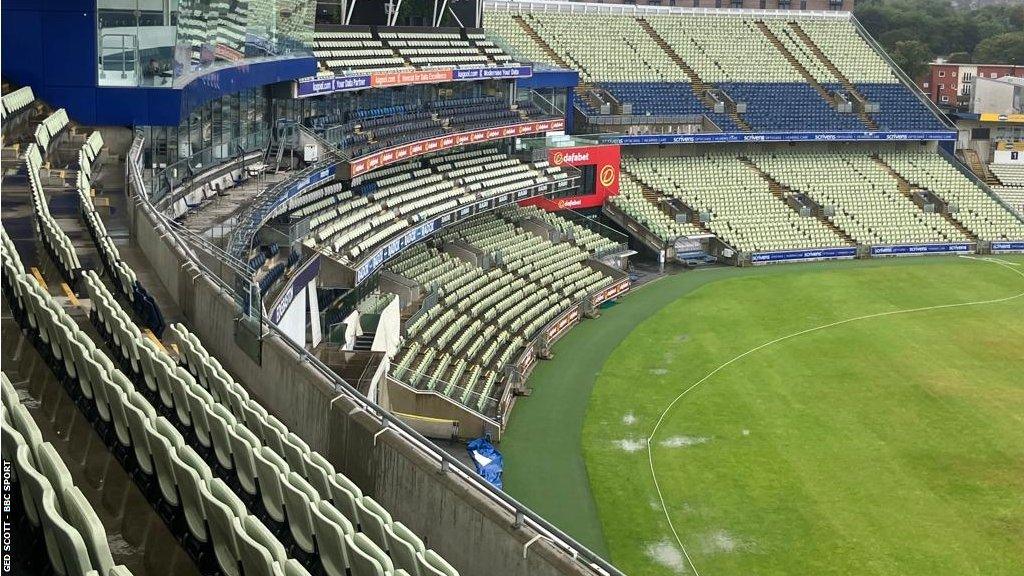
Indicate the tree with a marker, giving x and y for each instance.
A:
(912, 56)
(1001, 49)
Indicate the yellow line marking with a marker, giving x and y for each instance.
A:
(38, 276)
(71, 295)
(152, 337)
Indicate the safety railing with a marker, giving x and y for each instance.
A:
(523, 516)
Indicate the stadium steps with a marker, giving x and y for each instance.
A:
(583, 88)
(850, 88)
(979, 168)
(907, 189)
(794, 62)
(700, 88)
(781, 191)
(653, 196)
(536, 37)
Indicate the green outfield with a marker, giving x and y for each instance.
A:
(888, 445)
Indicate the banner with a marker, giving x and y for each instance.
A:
(364, 164)
(605, 160)
(795, 255)
(312, 86)
(774, 137)
(922, 249)
(611, 292)
(998, 247)
(296, 285)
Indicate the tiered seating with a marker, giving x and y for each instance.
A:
(618, 50)
(666, 99)
(1013, 196)
(503, 24)
(211, 453)
(1009, 174)
(789, 107)
(75, 539)
(724, 48)
(849, 52)
(56, 242)
(726, 51)
(353, 51)
(899, 109)
(483, 319)
(352, 223)
(869, 205)
(632, 202)
(976, 210)
(16, 102)
(428, 49)
(743, 211)
(582, 236)
(48, 130)
(125, 280)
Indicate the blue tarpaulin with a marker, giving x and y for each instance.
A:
(487, 459)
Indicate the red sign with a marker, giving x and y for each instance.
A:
(406, 77)
(367, 163)
(605, 160)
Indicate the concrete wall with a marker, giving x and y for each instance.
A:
(473, 532)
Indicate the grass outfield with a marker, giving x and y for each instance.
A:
(893, 445)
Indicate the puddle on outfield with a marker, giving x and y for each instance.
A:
(722, 542)
(658, 371)
(631, 444)
(684, 441)
(668, 555)
(629, 419)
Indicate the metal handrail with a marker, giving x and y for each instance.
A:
(524, 515)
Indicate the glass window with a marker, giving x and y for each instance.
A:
(155, 42)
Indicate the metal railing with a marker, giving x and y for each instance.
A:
(446, 463)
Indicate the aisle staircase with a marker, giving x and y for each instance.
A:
(700, 88)
(825, 94)
(980, 169)
(843, 80)
(907, 189)
(782, 192)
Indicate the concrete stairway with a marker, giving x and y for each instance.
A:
(582, 90)
(980, 169)
(850, 88)
(825, 95)
(907, 189)
(700, 88)
(782, 192)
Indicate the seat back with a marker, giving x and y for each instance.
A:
(299, 498)
(269, 468)
(366, 558)
(331, 528)
(258, 548)
(82, 517)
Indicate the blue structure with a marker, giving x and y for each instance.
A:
(52, 45)
(779, 106)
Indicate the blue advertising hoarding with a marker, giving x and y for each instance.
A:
(796, 255)
(998, 247)
(719, 137)
(312, 86)
(903, 249)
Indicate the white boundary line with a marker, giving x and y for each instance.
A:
(650, 439)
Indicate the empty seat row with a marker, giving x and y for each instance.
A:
(75, 539)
